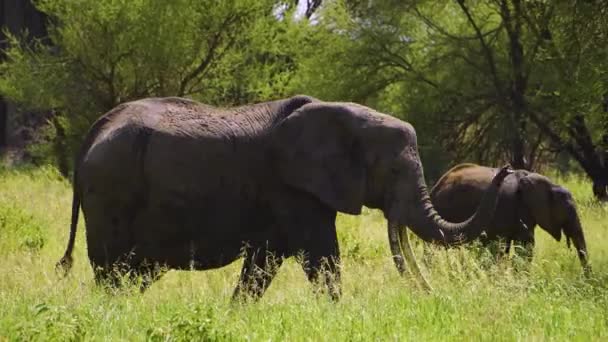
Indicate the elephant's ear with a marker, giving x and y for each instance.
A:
(316, 150)
(535, 192)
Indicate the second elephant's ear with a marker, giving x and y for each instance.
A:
(316, 150)
(535, 192)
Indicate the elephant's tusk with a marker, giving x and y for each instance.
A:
(393, 239)
(409, 254)
(523, 224)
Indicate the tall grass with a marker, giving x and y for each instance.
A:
(474, 298)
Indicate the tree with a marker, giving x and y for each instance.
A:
(489, 78)
(572, 110)
(103, 53)
(15, 16)
(309, 6)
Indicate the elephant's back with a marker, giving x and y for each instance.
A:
(459, 191)
(117, 142)
(468, 174)
(181, 117)
(129, 127)
(177, 135)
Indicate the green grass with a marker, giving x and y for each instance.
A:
(473, 299)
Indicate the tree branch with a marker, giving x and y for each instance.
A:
(485, 48)
(215, 42)
(444, 32)
(557, 140)
(402, 63)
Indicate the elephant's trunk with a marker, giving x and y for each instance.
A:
(425, 222)
(574, 232)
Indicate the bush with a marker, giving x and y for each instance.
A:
(52, 323)
(196, 324)
(19, 230)
(102, 53)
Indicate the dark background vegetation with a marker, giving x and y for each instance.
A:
(482, 81)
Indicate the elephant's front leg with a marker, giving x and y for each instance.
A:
(526, 249)
(310, 231)
(524, 242)
(259, 268)
(505, 253)
(321, 260)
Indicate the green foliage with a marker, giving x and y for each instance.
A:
(468, 75)
(101, 53)
(42, 152)
(195, 324)
(476, 79)
(365, 54)
(19, 230)
(49, 322)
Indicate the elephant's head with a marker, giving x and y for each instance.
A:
(348, 155)
(553, 209)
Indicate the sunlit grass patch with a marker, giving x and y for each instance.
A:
(19, 230)
(475, 297)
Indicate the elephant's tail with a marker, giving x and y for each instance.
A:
(65, 264)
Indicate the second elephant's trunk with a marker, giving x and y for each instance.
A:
(575, 233)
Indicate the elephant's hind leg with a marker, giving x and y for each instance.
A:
(259, 268)
(120, 275)
(524, 243)
(111, 245)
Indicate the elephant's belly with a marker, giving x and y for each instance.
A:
(179, 231)
(189, 255)
(193, 237)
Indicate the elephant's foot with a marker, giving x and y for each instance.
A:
(259, 268)
(147, 274)
(324, 274)
(123, 276)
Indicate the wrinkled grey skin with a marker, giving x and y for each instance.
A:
(175, 184)
(525, 200)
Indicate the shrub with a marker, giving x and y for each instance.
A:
(19, 230)
(196, 324)
(52, 323)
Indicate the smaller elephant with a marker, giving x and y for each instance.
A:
(525, 199)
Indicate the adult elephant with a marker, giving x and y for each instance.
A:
(525, 199)
(172, 183)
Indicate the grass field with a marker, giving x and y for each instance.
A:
(473, 298)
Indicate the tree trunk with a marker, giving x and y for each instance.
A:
(3, 124)
(600, 186)
(590, 156)
(516, 105)
(60, 147)
(17, 16)
(580, 147)
(518, 154)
